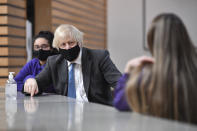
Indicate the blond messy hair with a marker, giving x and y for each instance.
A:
(65, 30)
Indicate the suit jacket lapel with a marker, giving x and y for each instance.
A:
(62, 69)
(86, 69)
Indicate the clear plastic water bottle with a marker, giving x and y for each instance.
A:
(11, 87)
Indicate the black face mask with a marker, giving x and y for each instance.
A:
(42, 54)
(70, 54)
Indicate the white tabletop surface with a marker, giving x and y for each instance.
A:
(55, 112)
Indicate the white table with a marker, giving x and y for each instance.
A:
(55, 112)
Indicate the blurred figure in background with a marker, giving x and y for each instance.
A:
(165, 85)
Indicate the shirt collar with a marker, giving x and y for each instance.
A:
(78, 60)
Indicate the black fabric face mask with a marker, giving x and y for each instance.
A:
(42, 54)
(70, 54)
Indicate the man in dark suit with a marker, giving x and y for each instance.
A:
(78, 72)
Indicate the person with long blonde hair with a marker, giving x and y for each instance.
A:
(165, 85)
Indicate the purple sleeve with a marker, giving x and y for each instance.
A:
(30, 70)
(120, 101)
(23, 75)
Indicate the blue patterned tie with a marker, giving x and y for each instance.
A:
(71, 82)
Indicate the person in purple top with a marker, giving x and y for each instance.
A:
(42, 48)
(120, 100)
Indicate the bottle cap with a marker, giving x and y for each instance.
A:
(11, 76)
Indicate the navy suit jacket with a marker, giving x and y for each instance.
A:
(99, 75)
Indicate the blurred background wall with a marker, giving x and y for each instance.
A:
(12, 37)
(128, 22)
